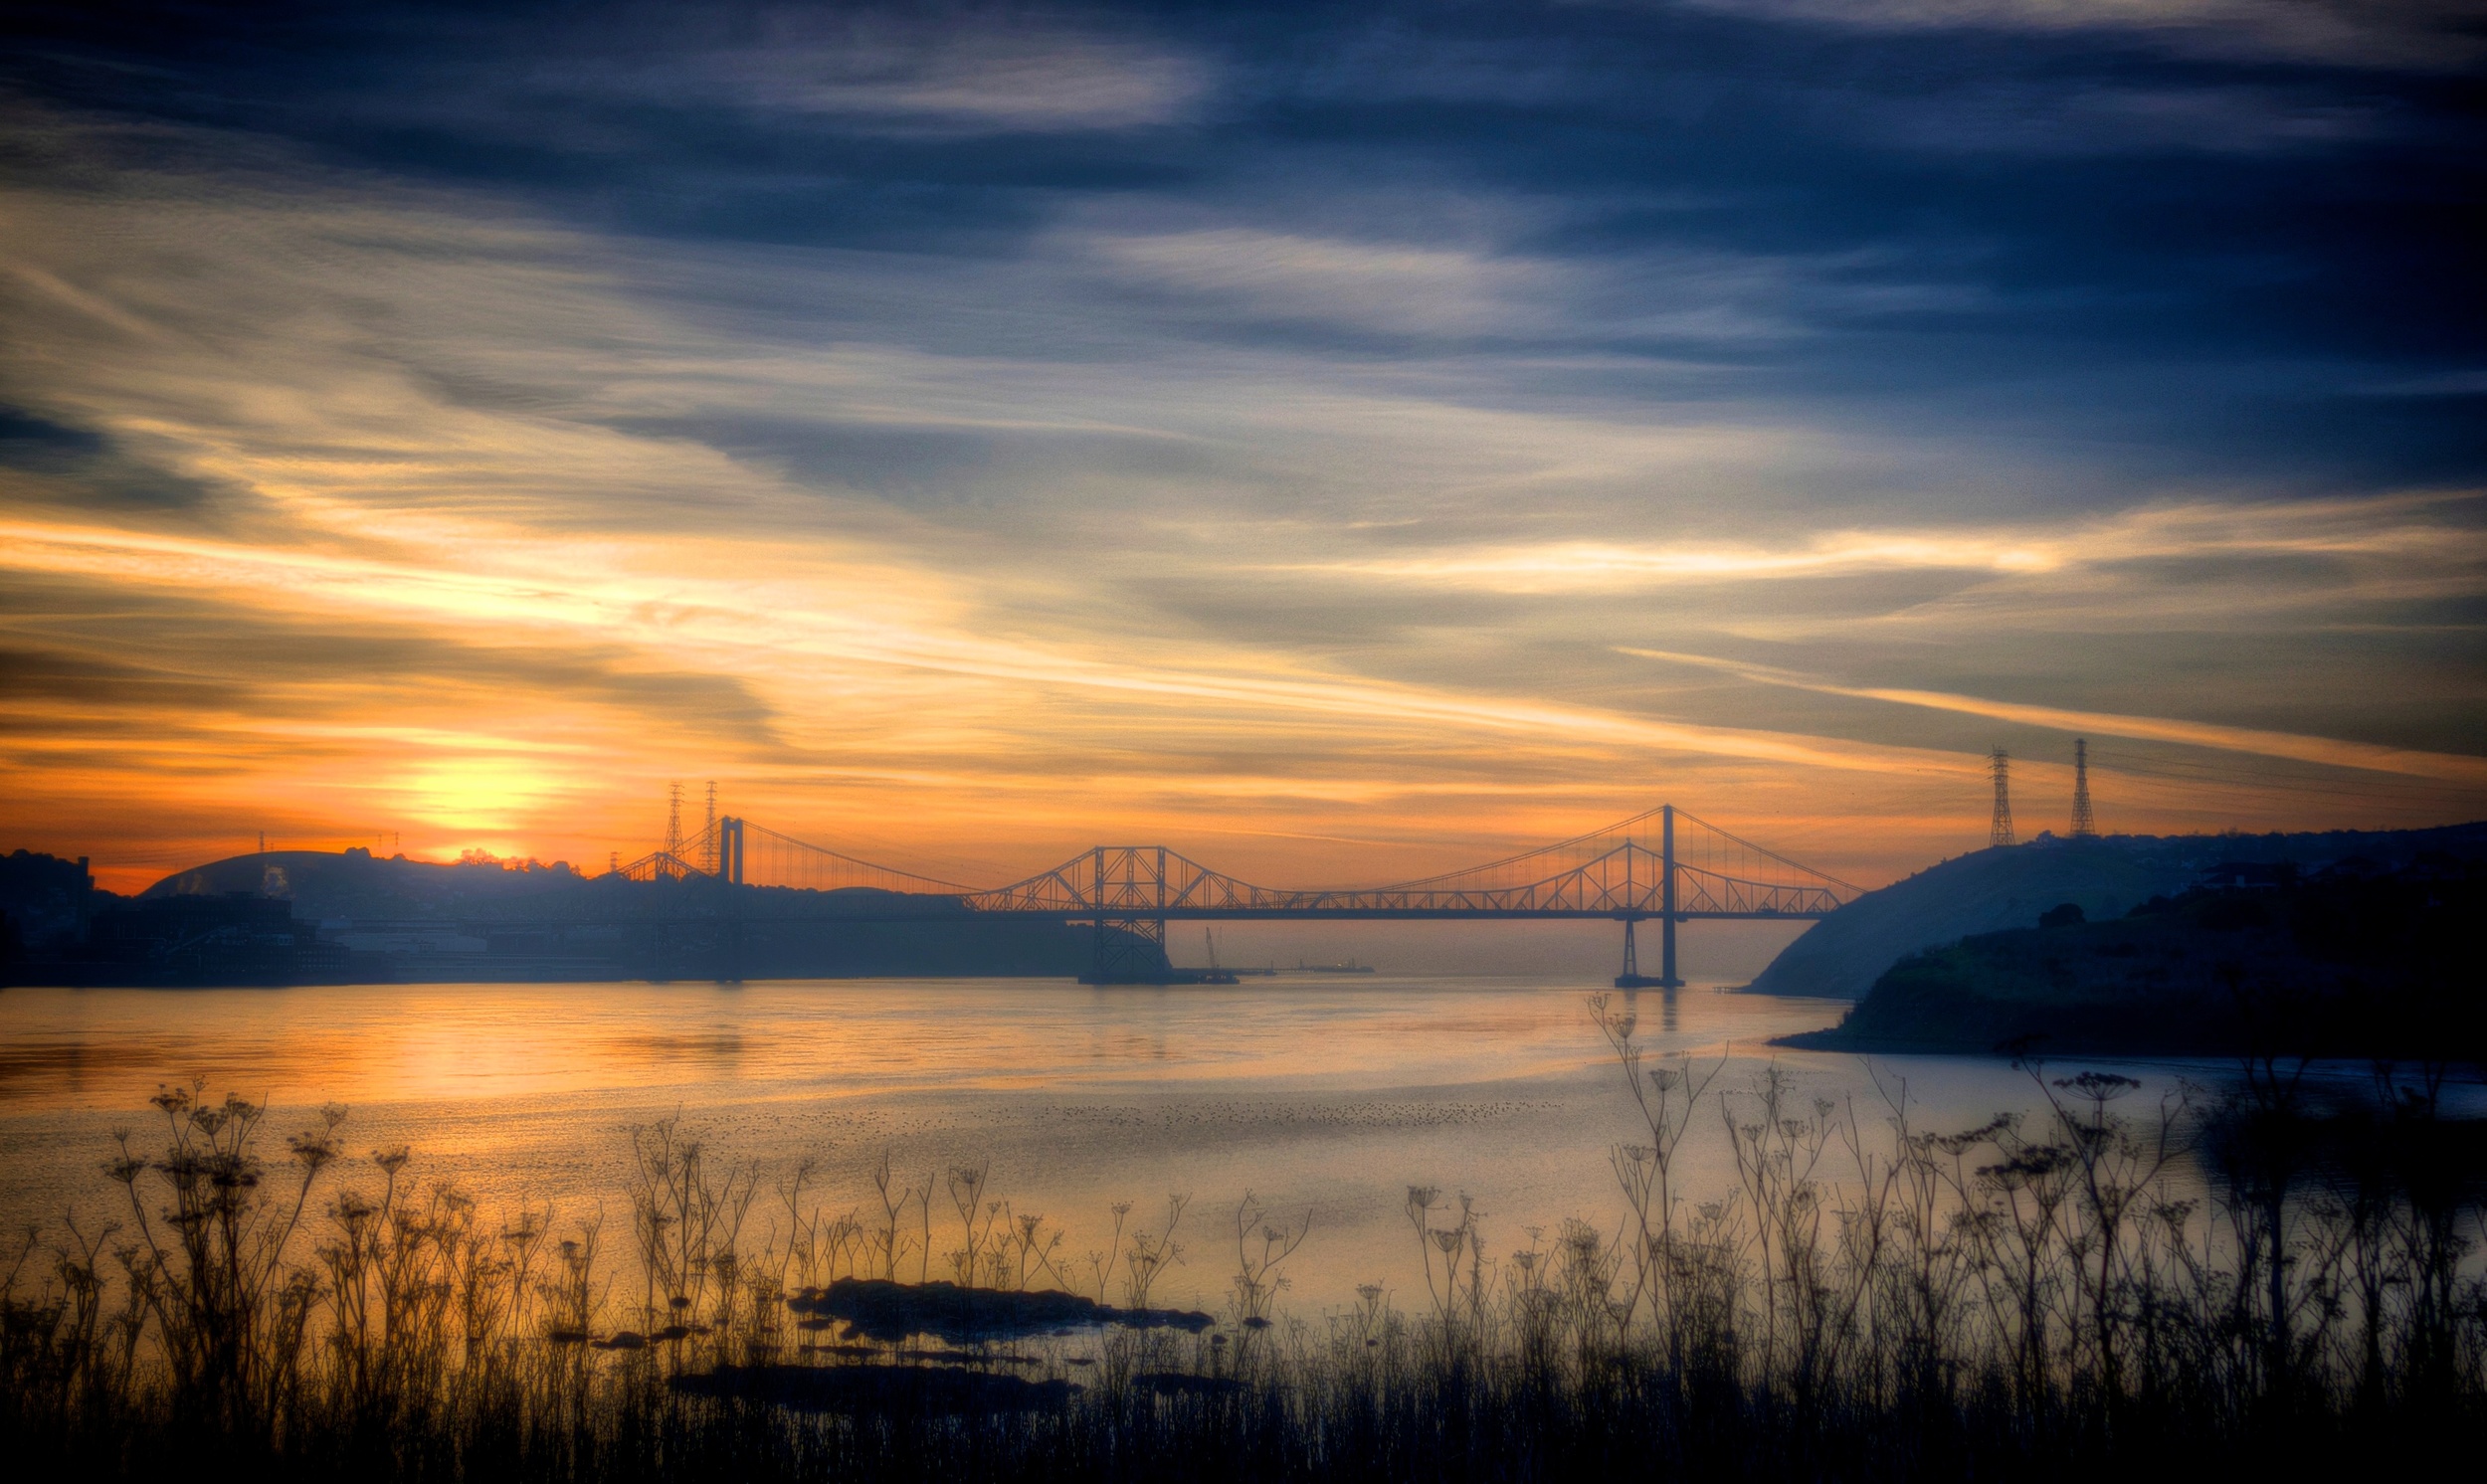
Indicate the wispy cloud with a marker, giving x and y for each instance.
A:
(686, 615)
(909, 72)
(2414, 33)
(2329, 750)
(2440, 531)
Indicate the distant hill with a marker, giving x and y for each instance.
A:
(358, 888)
(1992, 890)
(312, 916)
(361, 887)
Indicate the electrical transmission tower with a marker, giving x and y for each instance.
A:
(673, 827)
(2000, 833)
(707, 837)
(2085, 823)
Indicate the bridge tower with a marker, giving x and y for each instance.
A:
(1668, 916)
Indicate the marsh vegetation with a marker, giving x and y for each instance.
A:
(2260, 1276)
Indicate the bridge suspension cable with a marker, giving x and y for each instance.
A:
(1718, 873)
(749, 855)
(775, 859)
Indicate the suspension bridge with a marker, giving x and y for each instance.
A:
(1662, 865)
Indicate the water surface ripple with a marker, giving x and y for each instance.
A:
(1320, 1096)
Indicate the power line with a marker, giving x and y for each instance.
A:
(2273, 777)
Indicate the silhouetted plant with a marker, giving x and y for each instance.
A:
(2252, 1276)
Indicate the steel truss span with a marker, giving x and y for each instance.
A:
(1663, 865)
(1609, 872)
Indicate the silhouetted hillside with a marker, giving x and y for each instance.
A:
(1993, 891)
(357, 884)
(2359, 961)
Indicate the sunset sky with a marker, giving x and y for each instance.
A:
(1340, 442)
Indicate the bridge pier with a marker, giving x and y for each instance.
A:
(1129, 950)
(1632, 978)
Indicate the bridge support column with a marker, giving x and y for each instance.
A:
(1129, 950)
(1127, 888)
(1668, 914)
(1632, 978)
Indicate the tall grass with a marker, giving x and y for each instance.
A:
(2257, 1279)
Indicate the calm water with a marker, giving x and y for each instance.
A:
(1322, 1095)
